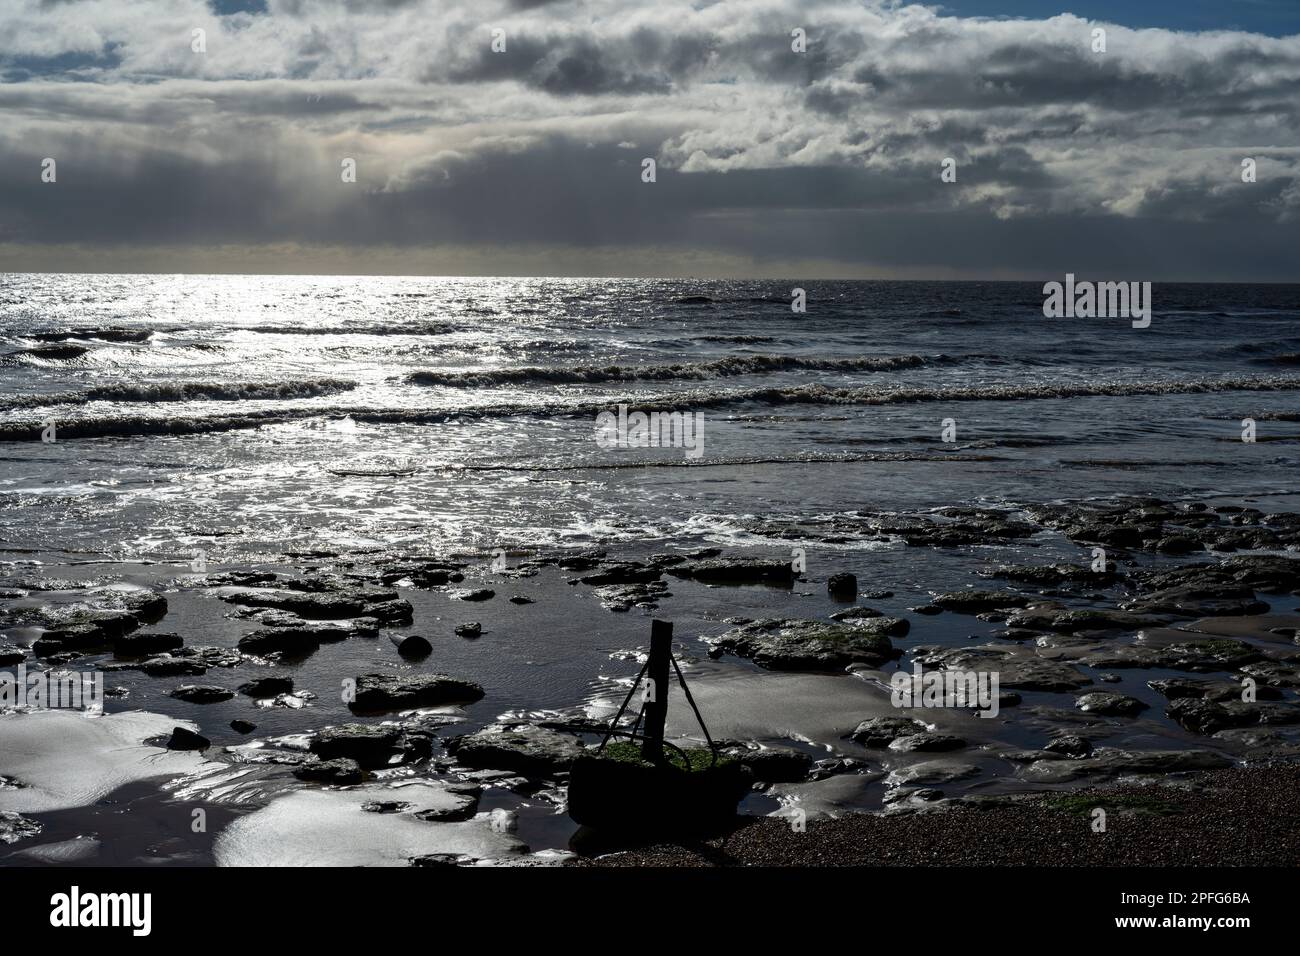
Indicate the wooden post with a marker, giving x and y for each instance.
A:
(656, 709)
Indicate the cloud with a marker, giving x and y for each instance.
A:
(757, 146)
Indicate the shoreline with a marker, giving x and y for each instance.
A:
(1242, 816)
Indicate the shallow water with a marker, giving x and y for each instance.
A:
(294, 422)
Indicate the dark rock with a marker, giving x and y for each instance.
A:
(182, 739)
(926, 741)
(413, 646)
(1070, 745)
(842, 586)
(371, 745)
(810, 645)
(339, 771)
(971, 602)
(522, 748)
(435, 860)
(386, 806)
(201, 693)
(478, 594)
(305, 604)
(470, 629)
(267, 686)
(1111, 705)
(737, 571)
(290, 641)
(145, 644)
(881, 731)
(631, 572)
(242, 726)
(852, 613)
(774, 765)
(1207, 717)
(379, 692)
(520, 599)
(165, 665)
(11, 655)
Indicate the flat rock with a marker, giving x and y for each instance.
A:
(1111, 705)
(737, 571)
(809, 645)
(521, 748)
(201, 693)
(379, 692)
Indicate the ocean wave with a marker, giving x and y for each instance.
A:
(721, 368)
(187, 392)
(689, 400)
(46, 353)
(103, 335)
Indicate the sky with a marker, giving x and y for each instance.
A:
(228, 155)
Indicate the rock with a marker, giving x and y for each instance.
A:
(314, 606)
(853, 613)
(1091, 619)
(774, 764)
(289, 641)
(394, 613)
(242, 726)
(1016, 668)
(370, 745)
(1070, 745)
(929, 610)
(810, 645)
(926, 741)
(267, 686)
(146, 644)
(339, 771)
(15, 827)
(413, 646)
(182, 739)
(971, 602)
(737, 571)
(1111, 705)
(11, 655)
(881, 731)
(165, 665)
(476, 594)
(378, 692)
(1053, 575)
(1192, 601)
(435, 860)
(1220, 691)
(1207, 717)
(842, 586)
(201, 693)
(1209, 654)
(623, 597)
(386, 806)
(1107, 762)
(631, 572)
(520, 599)
(471, 629)
(522, 748)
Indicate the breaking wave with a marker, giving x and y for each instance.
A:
(721, 368)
